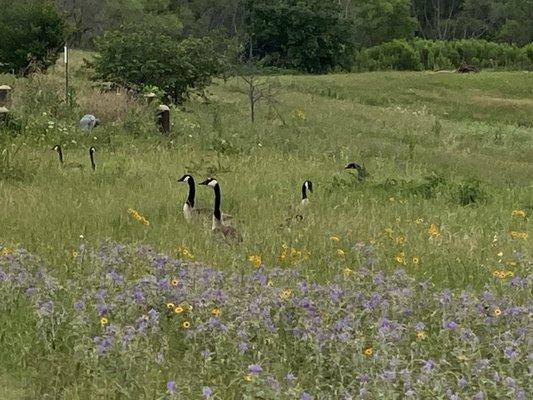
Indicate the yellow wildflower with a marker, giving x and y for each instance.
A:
(341, 252)
(335, 238)
(421, 335)
(389, 231)
(392, 199)
(7, 251)
(74, 254)
(170, 305)
(138, 216)
(104, 321)
(368, 351)
(185, 252)
(255, 260)
(174, 282)
(188, 307)
(186, 324)
(519, 234)
(400, 239)
(416, 260)
(519, 213)
(270, 283)
(248, 378)
(433, 230)
(299, 114)
(286, 293)
(216, 312)
(419, 221)
(178, 309)
(347, 272)
(497, 312)
(400, 258)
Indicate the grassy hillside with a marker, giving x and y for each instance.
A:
(449, 194)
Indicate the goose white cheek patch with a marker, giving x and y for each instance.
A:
(213, 183)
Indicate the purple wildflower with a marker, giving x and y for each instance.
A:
(479, 396)
(510, 353)
(171, 387)
(305, 396)
(255, 369)
(450, 325)
(207, 392)
(79, 305)
(462, 382)
(290, 377)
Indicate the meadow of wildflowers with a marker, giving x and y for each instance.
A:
(146, 325)
(413, 281)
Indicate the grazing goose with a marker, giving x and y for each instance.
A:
(189, 210)
(62, 163)
(92, 150)
(307, 185)
(361, 171)
(218, 225)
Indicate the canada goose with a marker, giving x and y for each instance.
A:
(218, 225)
(189, 209)
(92, 150)
(62, 163)
(307, 185)
(361, 171)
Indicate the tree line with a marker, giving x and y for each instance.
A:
(369, 22)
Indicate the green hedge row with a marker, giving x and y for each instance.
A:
(420, 54)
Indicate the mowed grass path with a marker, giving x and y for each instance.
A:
(404, 128)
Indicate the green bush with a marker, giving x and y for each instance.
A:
(139, 59)
(421, 54)
(32, 33)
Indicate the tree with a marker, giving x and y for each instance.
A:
(32, 33)
(378, 21)
(142, 58)
(304, 35)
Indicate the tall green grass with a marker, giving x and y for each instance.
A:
(471, 132)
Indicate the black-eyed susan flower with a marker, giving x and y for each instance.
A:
(104, 321)
(519, 234)
(368, 351)
(186, 324)
(433, 230)
(421, 335)
(519, 213)
(174, 282)
(178, 309)
(255, 260)
(416, 260)
(497, 312)
(170, 306)
(216, 312)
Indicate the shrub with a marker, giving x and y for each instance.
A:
(32, 34)
(421, 54)
(138, 59)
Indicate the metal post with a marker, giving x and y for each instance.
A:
(67, 97)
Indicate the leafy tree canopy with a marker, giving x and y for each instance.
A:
(32, 33)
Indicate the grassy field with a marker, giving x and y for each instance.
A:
(448, 197)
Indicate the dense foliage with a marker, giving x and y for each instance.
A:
(308, 36)
(31, 32)
(137, 59)
(423, 54)
(311, 35)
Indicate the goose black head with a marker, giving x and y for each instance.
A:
(92, 150)
(56, 148)
(308, 185)
(185, 178)
(352, 165)
(209, 182)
